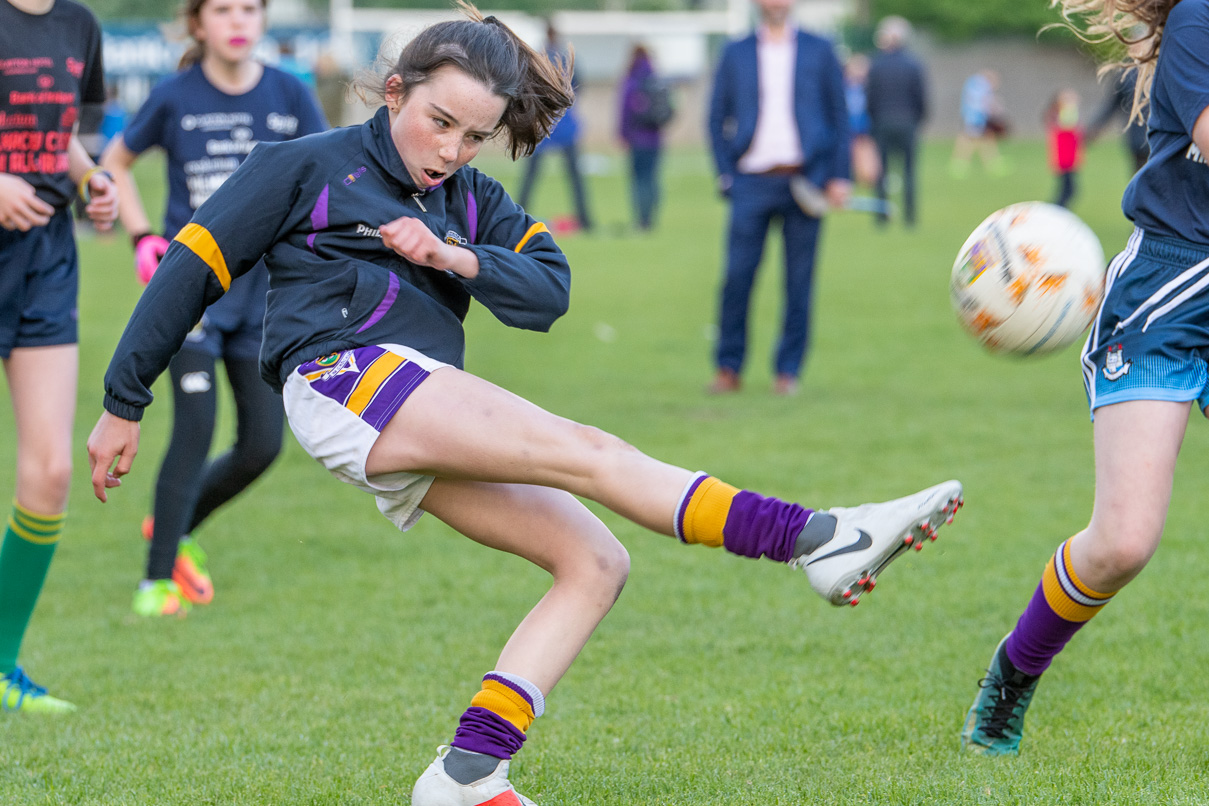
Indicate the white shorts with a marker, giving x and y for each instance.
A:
(338, 405)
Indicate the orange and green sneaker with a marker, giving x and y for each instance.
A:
(160, 597)
(190, 572)
(19, 693)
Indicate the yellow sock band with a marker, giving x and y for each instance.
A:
(30, 526)
(505, 703)
(1065, 593)
(705, 512)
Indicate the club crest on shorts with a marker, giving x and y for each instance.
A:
(332, 365)
(1115, 365)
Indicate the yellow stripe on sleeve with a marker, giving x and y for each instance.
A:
(202, 243)
(373, 377)
(534, 230)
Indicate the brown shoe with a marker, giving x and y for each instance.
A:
(785, 385)
(725, 382)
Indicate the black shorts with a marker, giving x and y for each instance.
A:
(39, 285)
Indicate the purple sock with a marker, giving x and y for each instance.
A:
(484, 731)
(757, 526)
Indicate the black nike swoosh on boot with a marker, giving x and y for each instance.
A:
(862, 542)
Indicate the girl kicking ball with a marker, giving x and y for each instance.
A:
(376, 238)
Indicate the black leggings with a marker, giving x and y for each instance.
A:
(189, 488)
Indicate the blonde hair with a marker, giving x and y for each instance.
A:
(1135, 24)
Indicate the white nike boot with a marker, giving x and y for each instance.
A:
(436, 788)
(869, 537)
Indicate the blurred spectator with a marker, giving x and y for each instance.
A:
(866, 164)
(777, 119)
(1065, 142)
(331, 87)
(564, 138)
(645, 110)
(288, 61)
(898, 105)
(983, 123)
(1117, 104)
(113, 119)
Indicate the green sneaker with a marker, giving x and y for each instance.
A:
(160, 597)
(995, 722)
(22, 694)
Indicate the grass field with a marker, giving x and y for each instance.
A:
(338, 653)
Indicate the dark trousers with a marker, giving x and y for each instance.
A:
(189, 488)
(1066, 188)
(898, 143)
(532, 168)
(644, 185)
(755, 201)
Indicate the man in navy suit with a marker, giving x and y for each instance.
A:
(777, 115)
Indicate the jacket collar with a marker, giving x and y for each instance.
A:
(375, 136)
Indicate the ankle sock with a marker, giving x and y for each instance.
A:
(499, 715)
(714, 513)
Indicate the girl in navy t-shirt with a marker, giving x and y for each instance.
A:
(207, 118)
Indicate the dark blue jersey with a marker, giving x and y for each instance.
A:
(311, 209)
(206, 134)
(50, 66)
(1170, 195)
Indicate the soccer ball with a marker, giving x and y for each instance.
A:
(1029, 279)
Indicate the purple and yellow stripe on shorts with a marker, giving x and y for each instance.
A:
(371, 382)
(1065, 593)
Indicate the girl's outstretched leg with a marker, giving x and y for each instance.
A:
(457, 426)
(556, 532)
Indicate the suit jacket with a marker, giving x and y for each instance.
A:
(818, 101)
(896, 91)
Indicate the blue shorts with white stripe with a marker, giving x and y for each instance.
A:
(1150, 340)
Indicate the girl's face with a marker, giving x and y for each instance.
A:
(441, 124)
(230, 29)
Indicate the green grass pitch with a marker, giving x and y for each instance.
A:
(339, 653)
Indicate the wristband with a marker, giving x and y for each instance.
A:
(83, 189)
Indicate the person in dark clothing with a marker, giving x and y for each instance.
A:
(563, 138)
(1118, 103)
(640, 130)
(897, 98)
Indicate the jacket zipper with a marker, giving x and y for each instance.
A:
(416, 198)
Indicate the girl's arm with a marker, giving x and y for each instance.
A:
(149, 248)
(1200, 132)
(118, 160)
(97, 188)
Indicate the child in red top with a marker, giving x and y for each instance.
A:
(1065, 142)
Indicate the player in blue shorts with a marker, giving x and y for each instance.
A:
(207, 118)
(376, 239)
(50, 67)
(1144, 364)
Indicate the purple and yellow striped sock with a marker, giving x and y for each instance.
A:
(499, 715)
(1060, 607)
(714, 513)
